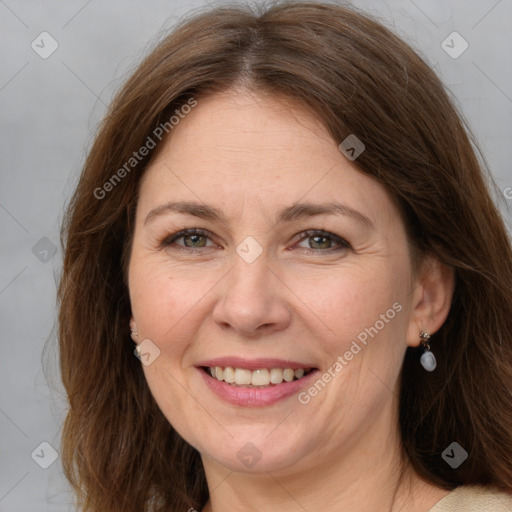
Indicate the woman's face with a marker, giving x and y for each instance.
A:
(301, 263)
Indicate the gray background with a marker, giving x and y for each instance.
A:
(50, 109)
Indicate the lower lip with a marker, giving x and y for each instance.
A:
(255, 397)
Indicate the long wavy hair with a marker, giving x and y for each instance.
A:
(118, 450)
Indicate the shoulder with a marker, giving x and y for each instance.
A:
(473, 498)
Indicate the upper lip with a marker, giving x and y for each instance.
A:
(254, 364)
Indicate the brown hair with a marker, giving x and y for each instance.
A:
(118, 450)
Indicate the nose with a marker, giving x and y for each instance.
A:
(252, 300)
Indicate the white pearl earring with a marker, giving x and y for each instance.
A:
(428, 359)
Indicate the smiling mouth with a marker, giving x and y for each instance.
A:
(261, 378)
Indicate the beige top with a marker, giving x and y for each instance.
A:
(474, 499)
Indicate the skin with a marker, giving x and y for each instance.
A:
(250, 156)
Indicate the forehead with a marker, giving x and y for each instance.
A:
(239, 149)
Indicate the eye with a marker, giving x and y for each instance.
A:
(322, 241)
(192, 239)
(317, 240)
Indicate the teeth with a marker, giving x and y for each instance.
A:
(242, 376)
(261, 377)
(229, 375)
(288, 374)
(299, 373)
(276, 375)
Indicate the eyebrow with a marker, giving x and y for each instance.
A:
(295, 212)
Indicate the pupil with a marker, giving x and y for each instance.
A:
(194, 239)
(318, 240)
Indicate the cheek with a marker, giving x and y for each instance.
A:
(347, 301)
(166, 303)
(365, 340)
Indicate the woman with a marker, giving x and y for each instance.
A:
(284, 212)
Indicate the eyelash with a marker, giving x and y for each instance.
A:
(343, 244)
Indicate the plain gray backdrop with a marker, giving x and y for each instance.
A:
(51, 104)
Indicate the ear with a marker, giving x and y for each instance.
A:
(432, 299)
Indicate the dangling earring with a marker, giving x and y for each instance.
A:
(134, 334)
(428, 359)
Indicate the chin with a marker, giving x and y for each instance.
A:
(252, 460)
(248, 452)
